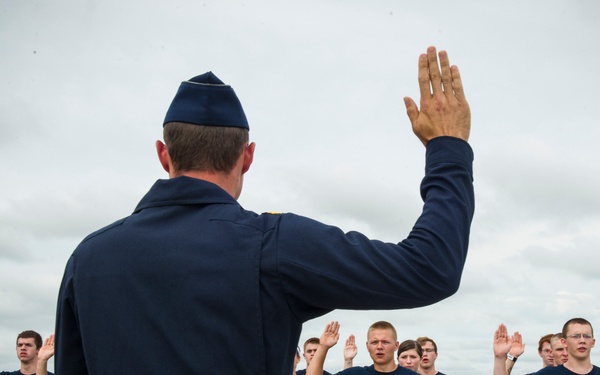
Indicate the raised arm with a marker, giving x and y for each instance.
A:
(350, 351)
(390, 275)
(516, 349)
(502, 344)
(329, 338)
(44, 354)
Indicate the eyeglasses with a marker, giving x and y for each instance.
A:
(580, 335)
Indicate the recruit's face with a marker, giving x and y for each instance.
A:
(409, 359)
(546, 354)
(310, 351)
(429, 355)
(26, 350)
(578, 346)
(559, 352)
(382, 346)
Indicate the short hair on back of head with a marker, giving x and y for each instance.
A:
(576, 321)
(408, 345)
(383, 325)
(543, 339)
(424, 339)
(204, 148)
(312, 340)
(31, 335)
(556, 336)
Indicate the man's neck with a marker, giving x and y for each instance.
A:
(389, 367)
(29, 367)
(428, 371)
(226, 181)
(583, 366)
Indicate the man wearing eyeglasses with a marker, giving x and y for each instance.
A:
(427, 366)
(545, 351)
(578, 336)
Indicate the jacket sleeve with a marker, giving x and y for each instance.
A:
(69, 356)
(322, 268)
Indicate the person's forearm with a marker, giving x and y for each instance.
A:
(348, 362)
(509, 366)
(500, 366)
(42, 368)
(316, 364)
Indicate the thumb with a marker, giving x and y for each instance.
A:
(411, 109)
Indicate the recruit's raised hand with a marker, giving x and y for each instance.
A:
(47, 350)
(444, 109)
(330, 335)
(350, 351)
(44, 354)
(329, 338)
(502, 342)
(517, 347)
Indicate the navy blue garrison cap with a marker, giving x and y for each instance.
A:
(206, 100)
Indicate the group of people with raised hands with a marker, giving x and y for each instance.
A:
(388, 354)
(566, 353)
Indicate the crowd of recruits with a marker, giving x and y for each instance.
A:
(384, 349)
(566, 352)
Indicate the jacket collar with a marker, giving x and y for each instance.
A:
(184, 190)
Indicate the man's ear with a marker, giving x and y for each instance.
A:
(163, 156)
(248, 156)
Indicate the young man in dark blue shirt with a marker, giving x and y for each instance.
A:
(33, 354)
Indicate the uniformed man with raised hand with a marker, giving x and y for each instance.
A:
(191, 282)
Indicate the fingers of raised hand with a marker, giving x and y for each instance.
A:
(457, 85)
(434, 81)
(446, 74)
(423, 76)
(332, 327)
(434, 70)
(517, 337)
(501, 331)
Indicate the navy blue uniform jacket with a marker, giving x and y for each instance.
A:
(193, 283)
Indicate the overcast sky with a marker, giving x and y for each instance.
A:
(85, 86)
